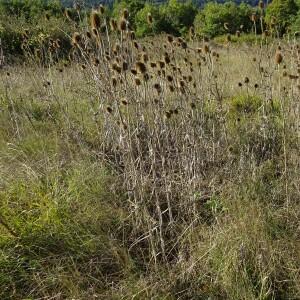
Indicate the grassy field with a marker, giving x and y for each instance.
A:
(153, 169)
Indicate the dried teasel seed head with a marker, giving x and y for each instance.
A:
(113, 25)
(76, 38)
(101, 9)
(95, 32)
(161, 64)
(88, 34)
(136, 45)
(95, 20)
(170, 38)
(68, 14)
(149, 19)
(278, 57)
(109, 109)
(137, 81)
(261, 4)
(145, 57)
(167, 58)
(133, 71)
(141, 67)
(206, 48)
(132, 35)
(254, 17)
(125, 65)
(114, 81)
(116, 67)
(123, 24)
(125, 14)
(170, 78)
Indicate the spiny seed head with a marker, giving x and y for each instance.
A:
(125, 65)
(68, 14)
(113, 25)
(101, 9)
(136, 45)
(246, 80)
(254, 17)
(146, 77)
(145, 57)
(133, 71)
(137, 81)
(141, 67)
(278, 57)
(167, 58)
(95, 32)
(157, 87)
(149, 18)
(206, 48)
(125, 14)
(109, 109)
(88, 34)
(153, 65)
(169, 78)
(76, 38)
(171, 88)
(123, 24)
(116, 67)
(132, 35)
(261, 4)
(114, 81)
(95, 20)
(161, 64)
(170, 38)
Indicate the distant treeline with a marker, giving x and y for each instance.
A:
(43, 19)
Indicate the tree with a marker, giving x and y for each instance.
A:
(217, 19)
(178, 17)
(143, 26)
(280, 14)
(133, 7)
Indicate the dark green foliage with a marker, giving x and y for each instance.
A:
(210, 21)
(177, 16)
(133, 6)
(280, 14)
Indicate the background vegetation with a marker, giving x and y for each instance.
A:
(44, 18)
(161, 167)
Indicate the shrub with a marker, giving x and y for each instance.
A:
(178, 17)
(141, 20)
(210, 21)
(280, 14)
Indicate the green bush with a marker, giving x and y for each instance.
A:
(210, 21)
(133, 6)
(141, 20)
(280, 14)
(178, 17)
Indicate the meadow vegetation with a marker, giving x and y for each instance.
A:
(157, 168)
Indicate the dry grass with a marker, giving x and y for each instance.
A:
(183, 186)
